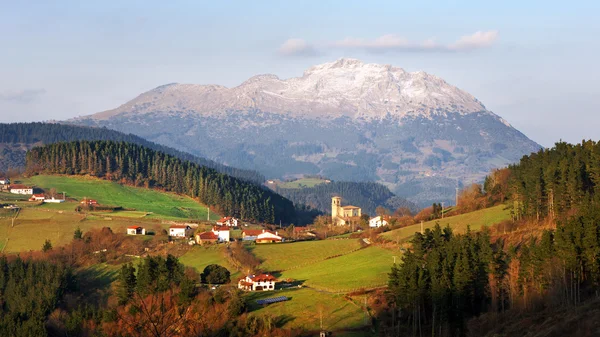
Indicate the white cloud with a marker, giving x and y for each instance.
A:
(392, 43)
(476, 40)
(296, 47)
(23, 96)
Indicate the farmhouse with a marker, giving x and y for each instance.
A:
(89, 202)
(378, 221)
(136, 230)
(251, 234)
(262, 282)
(206, 238)
(4, 181)
(222, 233)
(341, 215)
(228, 221)
(268, 237)
(180, 231)
(37, 197)
(21, 189)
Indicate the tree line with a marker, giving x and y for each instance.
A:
(445, 279)
(47, 133)
(140, 166)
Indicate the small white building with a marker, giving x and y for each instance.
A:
(4, 181)
(222, 233)
(228, 221)
(54, 201)
(37, 197)
(378, 221)
(180, 231)
(136, 230)
(21, 189)
(260, 282)
(268, 237)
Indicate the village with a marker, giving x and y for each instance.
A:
(224, 231)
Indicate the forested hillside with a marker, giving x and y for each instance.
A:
(140, 166)
(367, 195)
(17, 138)
(552, 262)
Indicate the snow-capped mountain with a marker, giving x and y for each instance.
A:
(347, 120)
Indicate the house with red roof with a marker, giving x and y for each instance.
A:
(228, 221)
(21, 189)
(89, 202)
(268, 237)
(206, 238)
(136, 230)
(37, 197)
(261, 282)
(222, 232)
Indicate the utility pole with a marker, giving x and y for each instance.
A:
(208, 216)
(422, 232)
(394, 259)
(456, 197)
(442, 209)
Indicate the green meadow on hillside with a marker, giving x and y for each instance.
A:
(476, 220)
(302, 182)
(365, 268)
(199, 257)
(156, 203)
(278, 257)
(304, 309)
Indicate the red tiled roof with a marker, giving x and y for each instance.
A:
(225, 219)
(220, 228)
(300, 229)
(262, 278)
(134, 227)
(208, 236)
(252, 232)
(19, 187)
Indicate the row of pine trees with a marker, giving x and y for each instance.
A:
(140, 166)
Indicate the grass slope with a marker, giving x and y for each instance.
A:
(199, 257)
(159, 204)
(278, 257)
(301, 183)
(476, 220)
(365, 268)
(304, 307)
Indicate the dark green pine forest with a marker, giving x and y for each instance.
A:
(136, 165)
(16, 137)
(446, 279)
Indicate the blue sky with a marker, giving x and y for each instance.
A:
(532, 62)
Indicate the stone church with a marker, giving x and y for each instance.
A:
(341, 215)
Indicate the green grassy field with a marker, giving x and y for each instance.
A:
(304, 309)
(300, 183)
(476, 220)
(365, 268)
(36, 224)
(159, 204)
(278, 257)
(199, 257)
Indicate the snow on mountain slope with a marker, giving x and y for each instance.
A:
(346, 87)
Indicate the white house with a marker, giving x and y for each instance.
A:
(222, 233)
(378, 221)
(21, 189)
(136, 230)
(268, 237)
(262, 282)
(228, 221)
(180, 231)
(37, 197)
(4, 181)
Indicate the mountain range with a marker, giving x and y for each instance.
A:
(346, 120)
